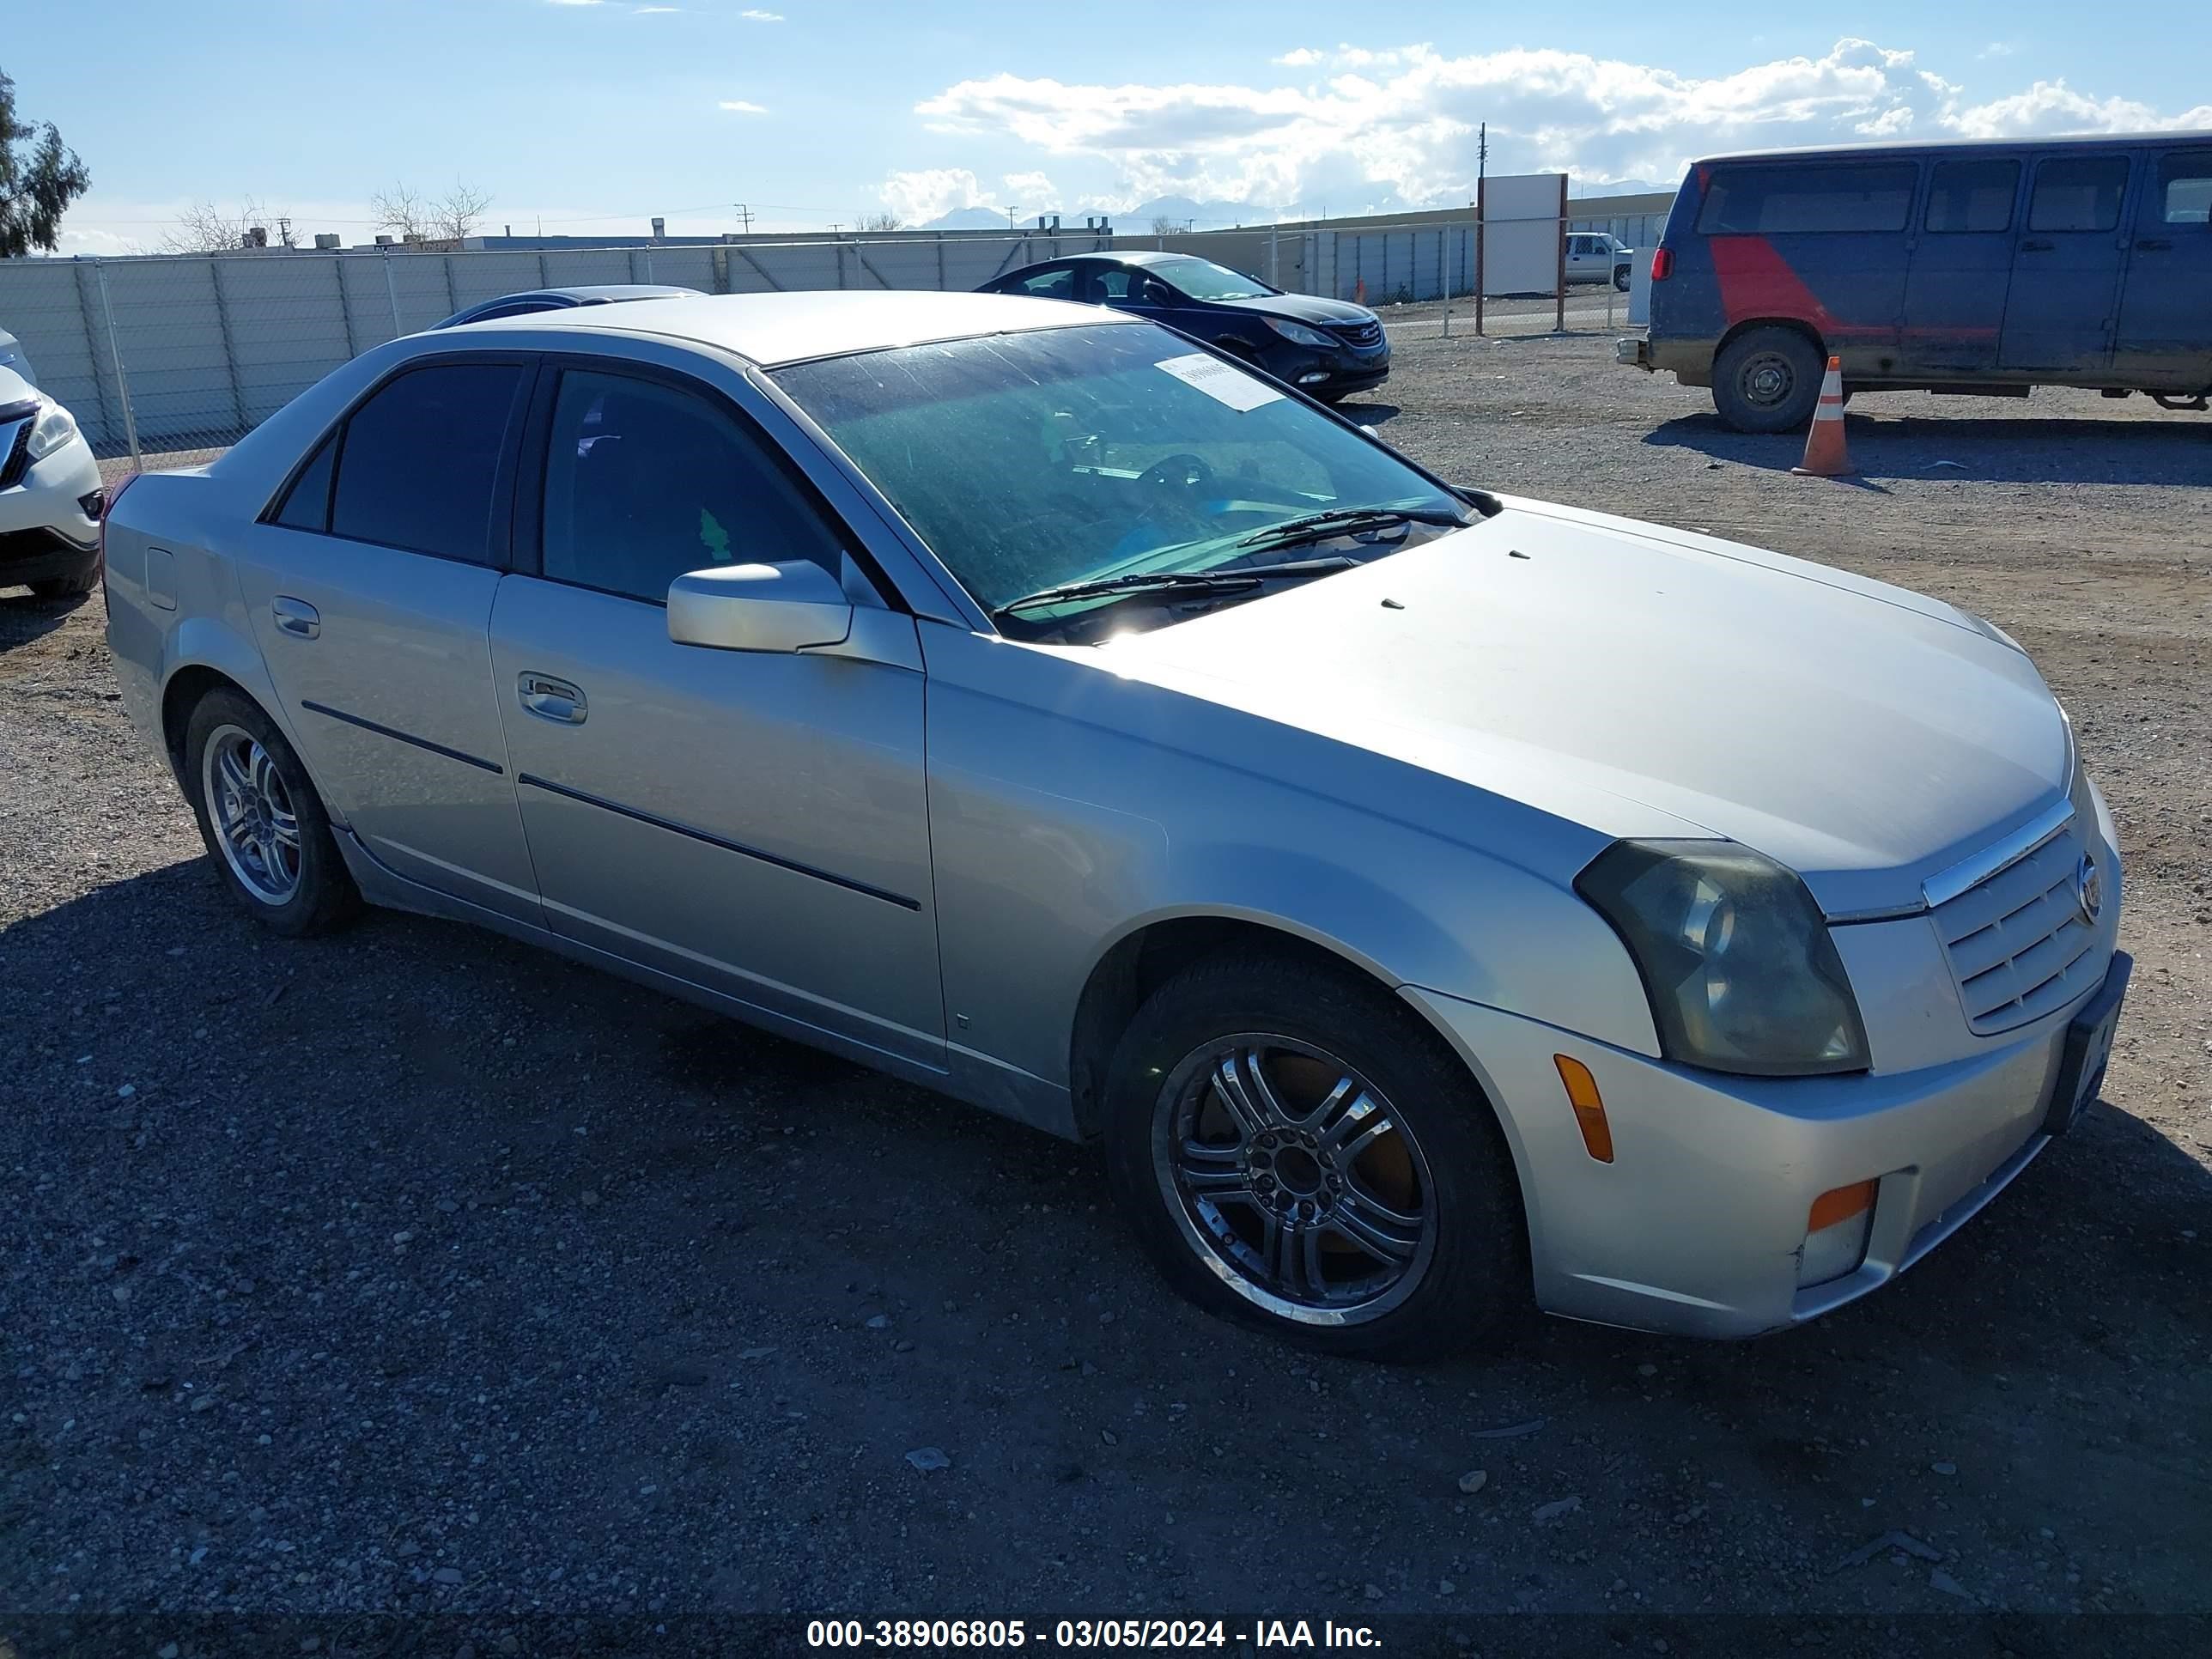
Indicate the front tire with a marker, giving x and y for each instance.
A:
(1621, 278)
(263, 825)
(1298, 1152)
(1768, 380)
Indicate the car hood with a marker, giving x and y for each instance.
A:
(1644, 681)
(1302, 308)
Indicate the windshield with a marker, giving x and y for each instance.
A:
(1030, 461)
(1202, 279)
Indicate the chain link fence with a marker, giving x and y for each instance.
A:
(171, 356)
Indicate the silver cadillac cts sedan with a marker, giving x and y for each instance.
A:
(1431, 899)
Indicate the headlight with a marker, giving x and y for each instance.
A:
(53, 428)
(1735, 955)
(1298, 333)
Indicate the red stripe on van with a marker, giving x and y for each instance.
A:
(1756, 281)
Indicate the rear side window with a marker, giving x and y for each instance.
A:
(1775, 201)
(420, 458)
(307, 504)
(1964, 196)
(644, 482)
(2078, 193)
(2184, 188)
(1050, 285)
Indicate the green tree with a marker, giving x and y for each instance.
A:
(39, 177)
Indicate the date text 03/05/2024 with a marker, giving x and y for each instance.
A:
(987, 1634)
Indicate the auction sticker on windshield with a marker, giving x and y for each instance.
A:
(1223, 382)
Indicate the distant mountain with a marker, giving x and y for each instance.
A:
(972, 218)
(1207, 216)
(1622, 187)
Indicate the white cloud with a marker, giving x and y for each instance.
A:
(575, 3)
(656, 11)
(740, 107)
(1301, 58)
(756, 15)
(1998, 49)
(1032, 186)
(1396, 127)
(929, 192)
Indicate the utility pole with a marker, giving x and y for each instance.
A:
(1011, 212)
(284, 231)
(745, 216)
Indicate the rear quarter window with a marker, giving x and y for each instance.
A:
(1774, 201)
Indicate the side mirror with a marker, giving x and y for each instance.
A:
(790, 606)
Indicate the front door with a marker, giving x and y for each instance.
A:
(2165, 340)
(752, 822)
(2066, 267)
(369, 590)
(1961, 270)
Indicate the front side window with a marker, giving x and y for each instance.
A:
(1971, 196)
(2078, 193)
(1201, 279)
(645, 482)
(2184, 188)
(1773, 201)
(1029, 461)
(418, 461)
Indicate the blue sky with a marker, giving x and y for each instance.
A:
(594, 114)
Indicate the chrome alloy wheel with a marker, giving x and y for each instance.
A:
(255, 823)
(1296, 1180)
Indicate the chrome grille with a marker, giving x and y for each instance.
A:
(1360, 334)
(2017, 941)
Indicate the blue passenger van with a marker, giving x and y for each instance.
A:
(1978, 267)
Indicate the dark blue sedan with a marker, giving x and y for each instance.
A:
(1326, 348)
(561, 299)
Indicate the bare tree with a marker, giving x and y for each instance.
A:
(459, 212)
(407, 213)
(879, 221)
(207, 227)
(1164, 225)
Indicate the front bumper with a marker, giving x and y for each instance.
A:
(48, 526)
(1697, 1225)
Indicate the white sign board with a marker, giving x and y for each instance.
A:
(1523, 219)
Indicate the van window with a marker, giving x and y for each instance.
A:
(1773, 201)
(2184, 188)
(1964, 196)
(2078, 193)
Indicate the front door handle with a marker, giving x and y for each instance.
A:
(296, 616)
(2037, 247)
(550, 699)
(2154, 244)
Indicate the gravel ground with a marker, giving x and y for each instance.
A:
(409, 1270)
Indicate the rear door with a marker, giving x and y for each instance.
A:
(369, 588)
(1961, 270)
(2165, 340)
(2066, 267)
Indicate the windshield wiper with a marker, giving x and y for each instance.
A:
(1176, 581)
(1344, 521)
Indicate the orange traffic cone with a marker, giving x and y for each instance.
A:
(1825, 455)
(1360, 292)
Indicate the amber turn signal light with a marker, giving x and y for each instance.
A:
(1590, 1109)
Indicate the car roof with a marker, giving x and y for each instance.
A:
(774, 329)
(1877, 148)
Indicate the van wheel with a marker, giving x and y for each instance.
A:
(1768, 380)
(1297, 1153)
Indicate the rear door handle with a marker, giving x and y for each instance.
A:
(2037, 247)
(296, 616)
(2150, 243)
(550, 699)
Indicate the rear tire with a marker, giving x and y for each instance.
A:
(1621, 278)
(1363, 1126)
(248, 789)
(1768, 380)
